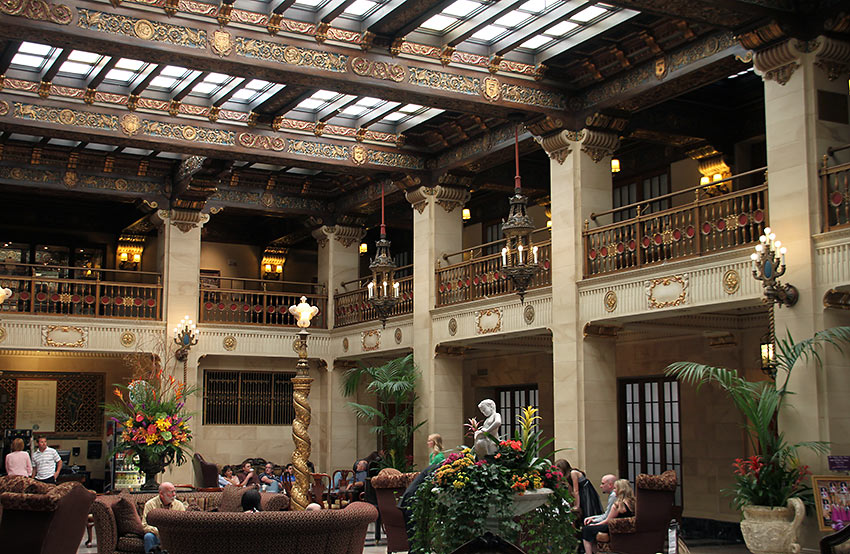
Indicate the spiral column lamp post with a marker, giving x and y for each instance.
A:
(519, 256)
(185, 337)
(383, 290)
(303, 313)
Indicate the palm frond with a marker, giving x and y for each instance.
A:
(364, 411)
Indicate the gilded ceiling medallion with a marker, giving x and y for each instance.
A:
(127, 339)
(528, 314)
(492, 90)
(661, 67)
(189, 133)
(4, 107)
(358, 155)
(731, 281)
(610, 301)
(291, 55)
(66, 116)
(221, 43)
(143, 29)
(130, 124)
(70, 179)
(229, 343)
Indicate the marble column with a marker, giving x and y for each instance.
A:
(805, 95)
(339, 259)
(437, 229)
(583, 371)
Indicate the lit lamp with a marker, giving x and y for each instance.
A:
(303, 313)
(466, 214)
(768, 356)
(615, 165)
(129, 251)
(382, 291)
(519, 256)
(274, 258)
(185, 337)
(768, 265)
(363, 248)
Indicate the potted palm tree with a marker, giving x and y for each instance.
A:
(394, 385)
(769, 486)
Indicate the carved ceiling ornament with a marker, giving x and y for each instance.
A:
(128, 339)
(731, 282)
(229, 343)
(64, 336)
(557, 145)
(449, 197)
(38, 10)
(492, 89)
(666, 292)
(346, 235)
(833, 57)
(185, 220)
(418, 197)
(778, 62)
(221, 43)
(488, 321)
(599, 144)
(370, 340)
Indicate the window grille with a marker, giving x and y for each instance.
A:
(510, 403)
(248, 398)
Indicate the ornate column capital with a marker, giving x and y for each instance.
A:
(557, 145)
(185, 220)
(447, 196)
(778, 62)
(599, 144)
(345, 234)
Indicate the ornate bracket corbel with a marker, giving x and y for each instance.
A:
(344, 234)
(599, 144)
(185, 220)
(778, 62)
(418, 197)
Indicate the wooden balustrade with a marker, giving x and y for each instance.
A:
(256, 302)
(479, 275)
(63, 290)
(353, 307)
(836, 193)
(703, 226)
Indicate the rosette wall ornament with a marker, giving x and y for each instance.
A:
(519, 256)
(382, 290)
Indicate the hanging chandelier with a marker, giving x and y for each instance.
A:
(519, 256)
(382, 290)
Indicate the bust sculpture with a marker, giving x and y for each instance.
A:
(483, 444)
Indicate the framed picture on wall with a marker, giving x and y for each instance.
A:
(832, 500)
(210, 278)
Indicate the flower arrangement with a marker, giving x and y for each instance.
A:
(462, 498)
(767, 482)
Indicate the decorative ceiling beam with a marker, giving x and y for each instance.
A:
(283, 101)
(334, 108)
(404, 26)
(280, 7)
(488, 15)
(99, 74)
(9, 51)
(376, 115)
(332, 10)
(183, 91)
(116, 126)
(387, 11)
(52, 69)
(584, 35)
(226, 92)
(727, 14)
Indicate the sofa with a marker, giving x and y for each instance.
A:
(113, 535)
(38, 518)
(302, 532)
(206, 473)
(389, 486)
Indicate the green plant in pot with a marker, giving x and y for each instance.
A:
(394, 385)
(769, 486)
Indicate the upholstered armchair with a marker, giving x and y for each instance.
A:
(836, 543)
(389, 485)
(43, 519)
(206, 474)
(646, 532)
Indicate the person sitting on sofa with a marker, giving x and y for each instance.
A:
(251, 501)
(288, 475)
(166, 500)
(248, 477)
(227, 477)
(270, 481)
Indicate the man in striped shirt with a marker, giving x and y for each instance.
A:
(46, 463)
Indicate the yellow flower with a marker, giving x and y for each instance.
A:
(150, 439)
(162, 425)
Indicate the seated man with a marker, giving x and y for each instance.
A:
(361, 471)
(269, 480)
(248, 477)
(166, 501)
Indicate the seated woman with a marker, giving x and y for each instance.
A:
(288, 475)
(624, 506)
(227, 477)
(251, 501)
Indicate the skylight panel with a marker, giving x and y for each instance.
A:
(74, 68)
(395, 116)
(561, 29)
(587, 14)
(217, 78)
(120, 76)
(324, 95)
(462, 8)
(63, 142)
(131, 65)
(173, 71)
(84, 57)
(410, 108)
(315, 4)
(536, 42)
(310, 104)
(537, 6)
(204, 88)
(360, 7)
(354, 111)
(164, 82)
(34, 49)
(243, 94)
(439, 23)
(369, 102)
(257, 84)
(489, 32)
(31, 62)
(302, 171)
(512, 19)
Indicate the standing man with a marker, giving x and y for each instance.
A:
(606, 486)
(46, 463)
(166, 501)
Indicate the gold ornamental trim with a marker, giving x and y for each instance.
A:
(359, 155)
(130, 124)
(492, 89)
(731, 282)
(4, 107)
(221, 43)
(229, 343)
(128, 338)
(143, 29)
(378, 70)
(370, 340)
(655, 302)
(63, 336)
(488, 321)
(610, 301)
(38, 10)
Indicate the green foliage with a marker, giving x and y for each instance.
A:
(549, 528)
(774, 475)
(394, 385)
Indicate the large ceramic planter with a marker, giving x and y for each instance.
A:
(522, 503)
(773, 529)
(151, 466)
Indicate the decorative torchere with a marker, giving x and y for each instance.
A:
(519, 256)
(185, 337)
(383, 290)
(304, 312)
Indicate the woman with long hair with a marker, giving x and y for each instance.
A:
(585, 498)
(435, 447)
(227, 477)
(624, 506)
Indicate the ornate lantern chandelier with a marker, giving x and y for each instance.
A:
(383, 289)
(519, 256)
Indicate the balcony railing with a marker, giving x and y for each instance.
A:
(256, 302)
(351, 307)
(63, 290)
(705, 225)
(836, 192)
(479, 273)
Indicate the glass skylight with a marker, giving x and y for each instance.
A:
(311, 3)
(587, 14)
(360, 8)
(489, 32)
(463, 8)
(561, 29)
(536, 42)
(32, 56)
(170, 77)
(211, 83)
(439, 23)
(513, 19)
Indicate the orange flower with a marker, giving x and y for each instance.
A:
(118, 393)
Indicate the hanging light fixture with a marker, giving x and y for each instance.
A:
(382, 290)
(519, 256)
(768, 356)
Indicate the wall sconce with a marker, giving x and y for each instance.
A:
(274, 258)
(716, 177)
(549, 224)
(185, 337)
(466, 214)
(129, 251)
(704, 180)
(615, 165)
(768, 356)
(364, 248)
(768, 267)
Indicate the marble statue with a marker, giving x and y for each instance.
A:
(483, 445)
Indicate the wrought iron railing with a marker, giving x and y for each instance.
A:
(835, 187)
(63, 290)
(257, 302)
(478, 274)
(352, 307)
(706, 225)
